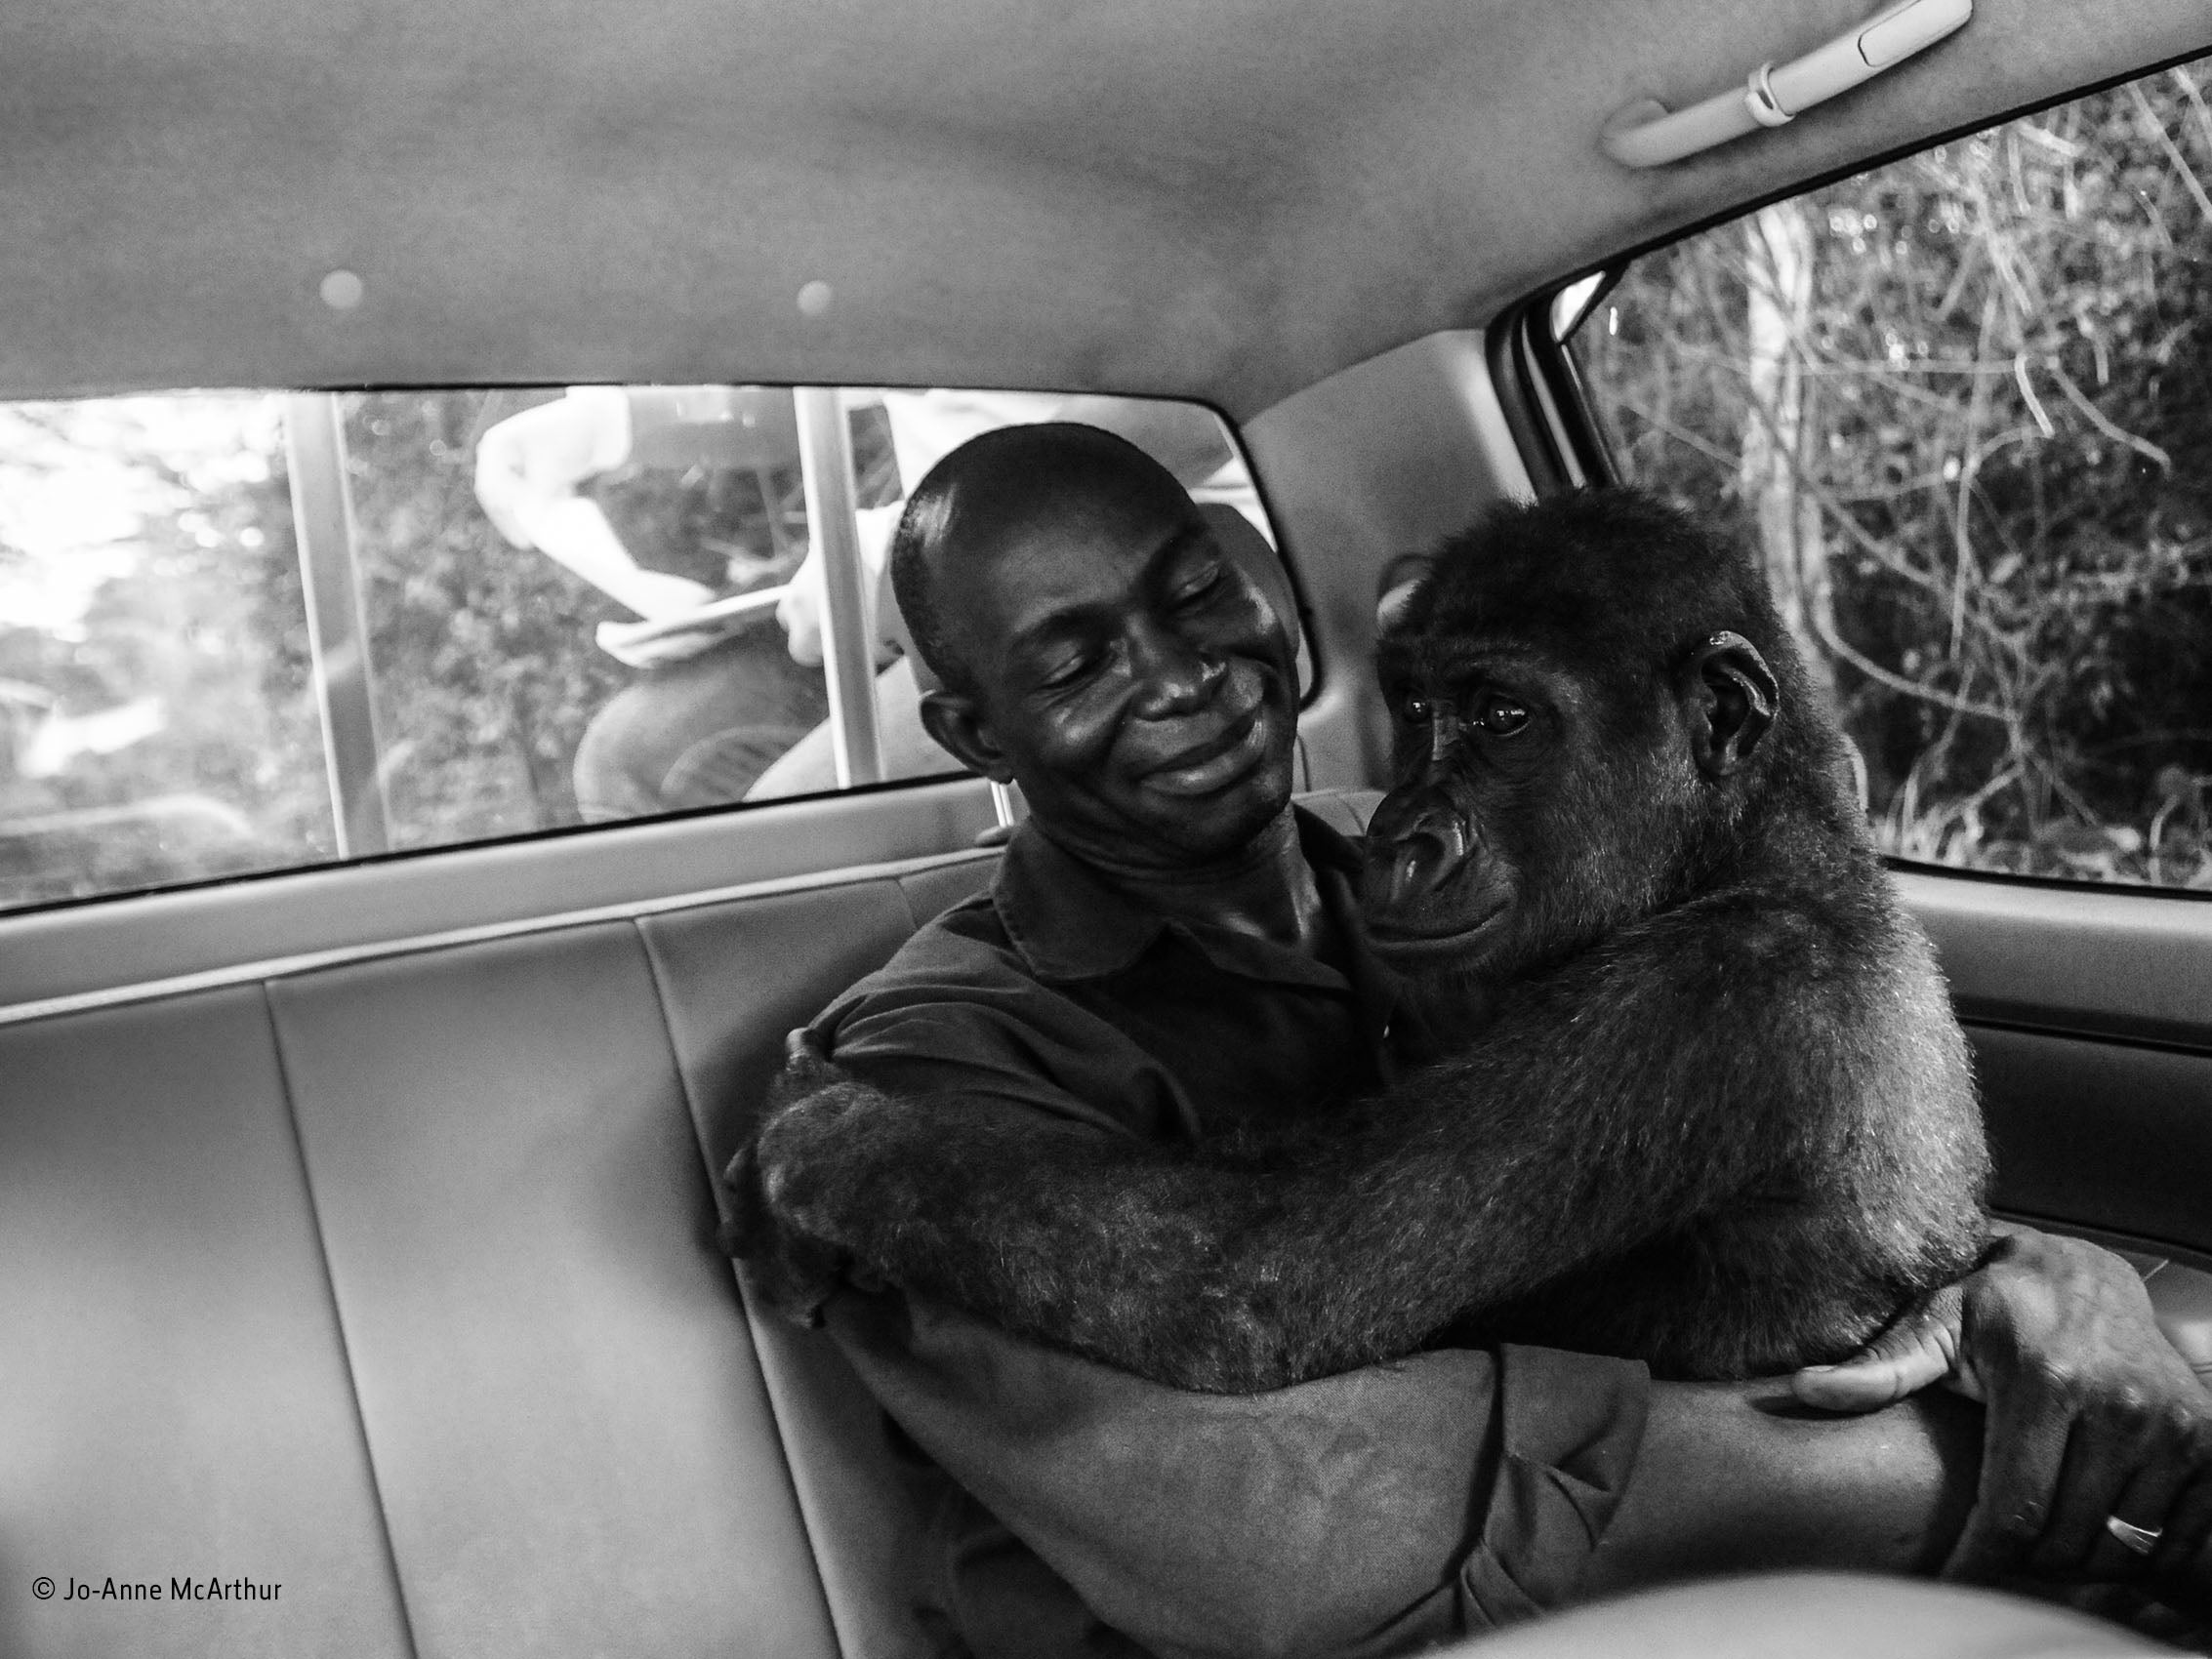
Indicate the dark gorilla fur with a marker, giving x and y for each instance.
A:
(1703, 1102)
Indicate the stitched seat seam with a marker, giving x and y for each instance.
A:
(338, 1323)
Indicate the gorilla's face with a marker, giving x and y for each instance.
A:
(1535, 806)
(1473, 745)
(1139, 681)
(1553, 785)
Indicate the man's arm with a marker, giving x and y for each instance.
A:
(1452, 1493)
(528, 467)
(1738, 1477)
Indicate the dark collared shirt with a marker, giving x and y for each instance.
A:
(1056, 994)
(1370, 1512)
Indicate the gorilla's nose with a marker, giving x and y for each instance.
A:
(1414, 847)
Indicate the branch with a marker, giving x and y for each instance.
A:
(2173, 152)
(2120, 435)
(1873, 670)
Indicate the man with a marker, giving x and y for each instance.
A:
(1168, 950)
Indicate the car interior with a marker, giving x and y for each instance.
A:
(359, 1210)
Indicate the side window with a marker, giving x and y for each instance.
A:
(244, 631)
(1963, 403)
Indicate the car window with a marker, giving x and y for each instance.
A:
(244, 631)
(1963, 404)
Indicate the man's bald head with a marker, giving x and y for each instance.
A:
(993, 489)
(1100, 642)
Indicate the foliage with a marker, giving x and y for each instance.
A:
(169, 519)
(1963, 404)
(484, 670)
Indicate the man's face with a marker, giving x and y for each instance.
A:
(1140, 685)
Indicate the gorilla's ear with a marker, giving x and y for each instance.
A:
(955, 721)
(1729, 697)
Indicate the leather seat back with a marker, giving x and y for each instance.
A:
(395, 1284)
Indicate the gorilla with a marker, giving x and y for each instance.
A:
(1697, 1094)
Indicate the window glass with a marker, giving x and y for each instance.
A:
(155, 718)
(1963, 404)
(245, 632)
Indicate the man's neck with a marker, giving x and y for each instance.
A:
(1265, 889)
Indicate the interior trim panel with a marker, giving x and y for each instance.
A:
(2105, 1135)
(2104, 961)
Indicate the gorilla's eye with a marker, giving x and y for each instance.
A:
(1502, 716)
(1419, 710)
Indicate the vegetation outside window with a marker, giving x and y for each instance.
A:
(1963, 403)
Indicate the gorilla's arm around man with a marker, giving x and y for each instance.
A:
(1141, 687)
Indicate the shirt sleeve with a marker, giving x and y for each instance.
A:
(994, 1044)
(1369, 1513)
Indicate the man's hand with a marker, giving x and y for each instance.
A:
(2091, 1414)
(796, 1270)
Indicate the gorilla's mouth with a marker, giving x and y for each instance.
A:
(1404, 938)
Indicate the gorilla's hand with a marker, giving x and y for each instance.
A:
(787, 1222)
(1115, 1250)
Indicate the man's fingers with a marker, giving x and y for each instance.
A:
(1920, 1350)
(2184, 1545)
(2149, 1476)
(2151, 1493)
(2023, 1450)
(1869, 1381)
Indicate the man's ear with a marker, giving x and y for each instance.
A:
(954, 721)
(1253, 555)
(1729, 698)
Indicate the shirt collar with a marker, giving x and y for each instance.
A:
(1069, 923)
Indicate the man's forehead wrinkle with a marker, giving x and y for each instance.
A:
(1104, 599)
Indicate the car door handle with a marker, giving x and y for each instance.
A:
(1647, 133)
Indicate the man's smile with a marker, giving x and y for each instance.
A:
(1207, 767)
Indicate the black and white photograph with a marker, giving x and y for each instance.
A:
(1038, 829)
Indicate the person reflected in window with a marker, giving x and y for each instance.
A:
(714, 702)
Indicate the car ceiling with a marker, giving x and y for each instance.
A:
(1229, 200)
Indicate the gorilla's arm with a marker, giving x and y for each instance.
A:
(1681, 1065)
